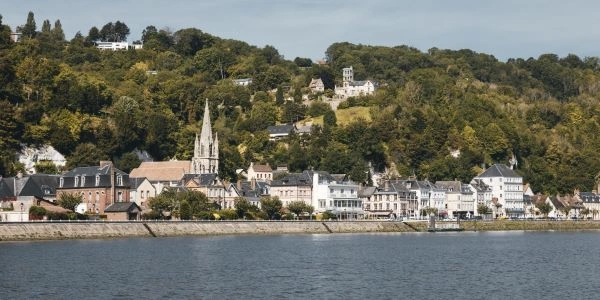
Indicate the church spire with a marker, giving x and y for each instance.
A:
(206, 133)
(206, 149)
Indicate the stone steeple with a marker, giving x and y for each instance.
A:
(206, 149)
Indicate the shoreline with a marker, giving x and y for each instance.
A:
(38, 231)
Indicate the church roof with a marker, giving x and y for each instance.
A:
(261, 168)
(162, 170)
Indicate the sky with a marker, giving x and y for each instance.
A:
(305, 28)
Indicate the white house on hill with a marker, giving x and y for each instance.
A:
(351, 88)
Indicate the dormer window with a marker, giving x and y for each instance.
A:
(97, 179)
(76, 181)
(83, 180)
(120, 180)
(61, 182)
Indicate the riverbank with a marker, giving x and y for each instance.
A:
(95, 230)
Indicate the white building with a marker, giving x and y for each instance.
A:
(459, 199)
(482, 194)
(351, 88)
(316, 85)
(339, 198)
(141, 191)
(243, 81)
(112, 45)
(507, 188)
(260, 172)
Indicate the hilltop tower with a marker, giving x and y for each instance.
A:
(206, 149)
(348, 76)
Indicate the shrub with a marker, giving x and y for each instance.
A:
(328, 215)
(37, 212)
(228, 214)
(151, 215)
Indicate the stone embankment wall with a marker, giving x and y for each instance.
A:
(502, 225)
(53, 231)
(92, 230)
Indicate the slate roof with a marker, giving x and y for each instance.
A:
(480, 186)
(454, 187)
(366, 191)
(134, 183)
(499, 170)
(588, 197)
(204, 179)
(294, 179)
(280, 129)
(93, 170)
(123, 207)
(38, 185)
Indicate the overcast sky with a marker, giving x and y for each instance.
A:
(305, 28)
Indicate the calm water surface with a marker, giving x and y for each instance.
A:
(497, 265)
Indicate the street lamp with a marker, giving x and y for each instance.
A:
(21, 211)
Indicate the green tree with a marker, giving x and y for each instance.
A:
(271, 206)
(185, 210)
(86, 154)
(69, 200)
(297, 207)
(544, 208)
(29, 29)
(483, 209)
(566, 210)
(46, 167)
(58, 32)
(243, 207)
(128, 162)
(279, 96)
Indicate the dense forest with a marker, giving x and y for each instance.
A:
(92, 105)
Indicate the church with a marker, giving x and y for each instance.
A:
(203, 168)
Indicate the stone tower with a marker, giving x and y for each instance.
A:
(348, 76)
(206, 149)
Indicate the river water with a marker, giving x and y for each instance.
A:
(491, 265)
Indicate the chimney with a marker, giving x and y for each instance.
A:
(386, 185)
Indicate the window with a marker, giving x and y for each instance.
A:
(352, 191)
(97, 179)
(76, 181)
(342, 191)
(331, 191)
(120, 196)
(62, 182)
(83, 180)
(120, 180)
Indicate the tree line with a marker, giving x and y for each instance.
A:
(92, 105)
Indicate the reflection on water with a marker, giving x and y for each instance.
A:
(468, 265)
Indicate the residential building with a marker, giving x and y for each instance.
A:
(351, 88)
(209, 184)
(243, 81)
(19, 194)
(277, 132)
(340, 198)
(114, 46)
(141, 191)
(482, 194)
(123, 211)
(99, 186)
(393, 200)
(250, 190)
(507, 188)
(260, 172)
(591, 201)
(293, 187)
(459, 199)
(316, 85)
(428, 195)
(16, 37)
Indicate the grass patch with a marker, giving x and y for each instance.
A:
(344, 116)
